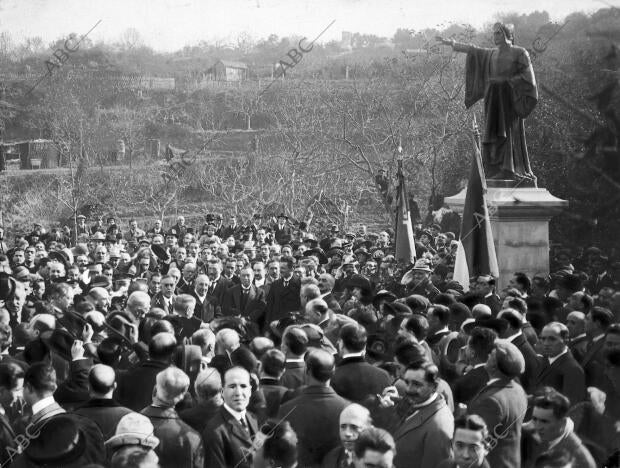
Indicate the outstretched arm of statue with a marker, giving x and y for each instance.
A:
(456, 46)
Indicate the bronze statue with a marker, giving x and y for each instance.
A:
(505, 78)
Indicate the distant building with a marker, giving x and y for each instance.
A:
(347, 40)
(226, 70)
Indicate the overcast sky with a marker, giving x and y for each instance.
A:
(168, 25)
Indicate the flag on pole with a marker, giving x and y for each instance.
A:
(405, 245)
(476, 251)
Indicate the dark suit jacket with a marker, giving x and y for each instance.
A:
(254, 307)
(578, 347)
(216, 295)
(106, 413)
(315, 416)
(159, 301)
(282, 300)
(7, 441)
(530, 334)
(227, 443)
(335, 459)
(358, 381)
(135, 385)
(294, 375)
(207, 309)
(282, 236)
(596, 283)
(184, 288)
(435, 338)
(565, 375)
(425, 437)
(73, 392)
(179, 444)
(184, 327)
(531, 362)
(332, 303)
(533, 447)
(273, 393)
(198, 416)
(494, 302)
(502, 404)
(468, 385)
(593, 363)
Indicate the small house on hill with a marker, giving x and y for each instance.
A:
(226, 70)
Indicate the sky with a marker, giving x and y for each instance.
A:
(169, 25)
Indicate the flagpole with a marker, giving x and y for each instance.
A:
(478, 155)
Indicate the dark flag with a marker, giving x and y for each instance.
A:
(404, 243)
(476, 251)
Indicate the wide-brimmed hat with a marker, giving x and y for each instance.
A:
(59, 341)
(98, 236)
(133, 429)
(384, 294)
(359, 281)
(335, 253)
(60, 441)
(318, 253)
(59, 256)
(160, 252)
(398, 309)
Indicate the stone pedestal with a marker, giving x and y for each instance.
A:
(520, 223)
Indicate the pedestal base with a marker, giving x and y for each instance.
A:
(520, 223)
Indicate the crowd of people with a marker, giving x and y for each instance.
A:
(275, 344)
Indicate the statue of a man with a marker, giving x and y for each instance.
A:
(505, 78)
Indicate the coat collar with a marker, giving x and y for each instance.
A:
(422, 415)
(102, 403)
(351, 360)
(159, 412)
(235, 428)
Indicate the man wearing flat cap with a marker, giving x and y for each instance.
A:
(502, 404)
(417, 281)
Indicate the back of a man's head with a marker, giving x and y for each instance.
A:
(316, 308)
(171, 385)
(139, 303)
(374, 439)
(228, 339)
(260, 345)
(295, 341)
(273, 363)
(208, 384)
(41, 378)
(162, 346)
(11, 374)
(309, 292)
(243, 357)
(101, 379)
(320, 366)
(204, 338)
(354, 337)
(481, 311)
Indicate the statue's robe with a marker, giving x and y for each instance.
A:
(506, 82)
